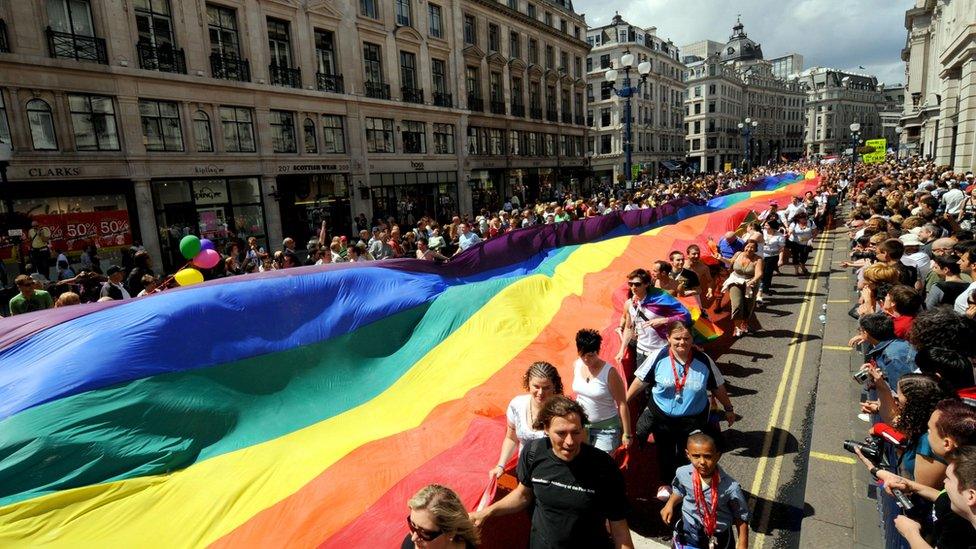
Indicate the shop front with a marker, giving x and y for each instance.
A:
(308, 200)
(70, 216)
(408, 196)
(225, 210)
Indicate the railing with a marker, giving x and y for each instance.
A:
(552, 115)
(4, 41)
(230, 67)
(518, 110)
(497, 107)
(535, 113)
(567, 118)
(329, 82)
(412, 95)
(377, 90)
(443, 99)
(476, 103)
(164, 58)
(63, 45)
(285, 76)
(579, 120)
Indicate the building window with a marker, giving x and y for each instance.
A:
(4, 127)
(606, 143)
(493, 38)
(533, 51)
(238, 126)
(513, 143)
(157, 49)
(222, 25)
(514, 46)
(283, 132)
(530, 10)
(309, 136)
(279, 43)
(548, 18)
(372, 63)
(562, 26)
(513, 4)
(604, 118)
(333, 138)
(550, 56)
(161, 127)
(435, 23)
(73, 32)
(202, 133)
(564, 61)
(495, 88)
(606, 89)
(472, 81)
(605, 61)
(408, 70)
(496, 142)
(379, 135)
(472, 140)
(517, 92)
(367, 8)
(93, 122)
(577, 67)
(41, 126)
(470, 30)
(403, 13)
(414, 136)
(438, 73)
(325, 52)
(443, 138)
(550, 141)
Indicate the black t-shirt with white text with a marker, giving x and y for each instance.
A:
(573, 499)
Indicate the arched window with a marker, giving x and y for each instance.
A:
(201, 132)
(41, 125)
(311, 141)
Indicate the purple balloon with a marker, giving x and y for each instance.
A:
(206, 244)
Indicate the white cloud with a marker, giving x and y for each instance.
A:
(867, 33)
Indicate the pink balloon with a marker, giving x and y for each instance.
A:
(206, 259)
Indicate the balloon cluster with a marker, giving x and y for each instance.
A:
(201, 253)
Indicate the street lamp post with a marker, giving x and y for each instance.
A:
(898, 130)
(745, 128)
(855, 138)
(626, 92)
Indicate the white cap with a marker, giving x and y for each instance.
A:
(910, 239)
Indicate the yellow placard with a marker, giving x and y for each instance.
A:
(877, 156)
(727, 167)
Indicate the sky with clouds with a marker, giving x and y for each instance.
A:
(868, 33)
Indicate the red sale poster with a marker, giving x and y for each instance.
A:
(72, 232)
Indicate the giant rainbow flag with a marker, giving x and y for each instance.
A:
(303, 407)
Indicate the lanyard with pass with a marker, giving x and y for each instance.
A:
(708, 513)
(679, 383)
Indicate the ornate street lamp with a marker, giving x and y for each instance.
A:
(855, 139)
(627, 64)
(745, 129)
(898, 131)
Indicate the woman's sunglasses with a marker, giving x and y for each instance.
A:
(633, 284)
(426, 535)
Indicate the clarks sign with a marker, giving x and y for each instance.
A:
(54, 172)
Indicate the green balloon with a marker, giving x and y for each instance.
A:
(190, 246)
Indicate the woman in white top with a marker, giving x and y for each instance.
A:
(541, 381)
(602, 394)
(801, 233)
(773, 243)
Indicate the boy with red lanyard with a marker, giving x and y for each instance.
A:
(711, 501)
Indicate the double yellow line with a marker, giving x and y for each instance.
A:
(792, 370)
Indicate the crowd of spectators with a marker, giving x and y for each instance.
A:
(912, 250)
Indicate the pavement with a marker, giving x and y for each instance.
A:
(791, 383)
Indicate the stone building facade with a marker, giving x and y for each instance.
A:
(939, 116)
(835, 100)
(151, 119)
(656, 110)
(728, 85)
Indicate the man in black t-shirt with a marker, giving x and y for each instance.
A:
(575, 487)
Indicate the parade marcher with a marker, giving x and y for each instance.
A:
(602, 393)
(742, 285)
(712, 503)
(573, 489)
(438, 519)
(694, 263)
(540, 381)
(647, 312)
(772, 248)
(801, 233)
(680, 381)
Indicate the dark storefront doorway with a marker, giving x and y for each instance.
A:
(307, 200)
(407, 197)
